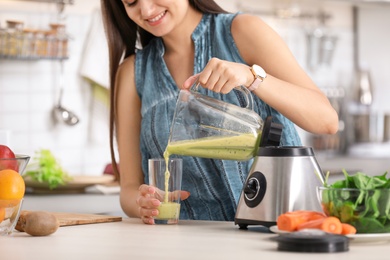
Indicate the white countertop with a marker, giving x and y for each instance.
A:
(107, 204)
(131, 239)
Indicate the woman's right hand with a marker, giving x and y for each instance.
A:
(149, 199)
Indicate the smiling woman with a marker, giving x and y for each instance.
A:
(159, 47)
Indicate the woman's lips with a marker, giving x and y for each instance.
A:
(156, 18)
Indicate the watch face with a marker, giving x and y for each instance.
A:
(259, 71)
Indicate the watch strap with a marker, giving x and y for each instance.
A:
(255, 84)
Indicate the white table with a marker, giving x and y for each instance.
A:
(131, 239)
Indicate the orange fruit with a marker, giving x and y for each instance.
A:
(2, 214)
(12, 186)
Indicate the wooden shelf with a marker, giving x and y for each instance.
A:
(34, 58)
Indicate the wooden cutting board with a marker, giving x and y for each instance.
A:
(71, 219)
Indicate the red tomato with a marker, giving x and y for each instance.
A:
(7, 159)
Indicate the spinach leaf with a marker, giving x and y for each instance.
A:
(367, 206)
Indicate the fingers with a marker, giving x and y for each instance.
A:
(150, 198)
(222, 76)
(146, 189)
(147, 203)
(175, 195)
(184, 195)
(190, 81)
(147, 215)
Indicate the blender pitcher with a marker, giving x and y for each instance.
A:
(210, 128)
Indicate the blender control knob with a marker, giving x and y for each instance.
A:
(251, 188)
(254, 189)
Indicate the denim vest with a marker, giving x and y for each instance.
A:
(215, 185)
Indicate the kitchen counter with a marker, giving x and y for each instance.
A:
(131, 239)
(107, 204)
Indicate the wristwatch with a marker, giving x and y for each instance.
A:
(259, 75)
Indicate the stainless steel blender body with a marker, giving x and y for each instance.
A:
(281, 179)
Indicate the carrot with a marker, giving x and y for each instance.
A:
(347, 229)
(289, 221)
(328, 224)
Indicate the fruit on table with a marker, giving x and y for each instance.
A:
(37, 223)
(2, 214)
(7, 153)
(12, 188)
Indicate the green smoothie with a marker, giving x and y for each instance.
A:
(167, 176)
(168, 210)
(236, 147)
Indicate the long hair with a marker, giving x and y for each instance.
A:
(122, 36)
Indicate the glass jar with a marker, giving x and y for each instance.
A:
(61, 39)
(28, 44)
(3, 41)
(40, 44)
(51, 44)
(14, 38)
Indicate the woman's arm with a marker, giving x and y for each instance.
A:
(137, 199)
(128, 125)
(287, 88)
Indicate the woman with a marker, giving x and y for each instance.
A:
(179, 42)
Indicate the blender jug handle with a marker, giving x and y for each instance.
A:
(247, 94)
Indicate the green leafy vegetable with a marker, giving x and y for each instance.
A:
(46, 168)
(360, 200)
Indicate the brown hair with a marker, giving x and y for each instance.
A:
(122, 34)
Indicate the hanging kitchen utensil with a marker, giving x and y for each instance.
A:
(328, 46)
(321, 46)
(314, 39)
(363, 80)
(62, 114)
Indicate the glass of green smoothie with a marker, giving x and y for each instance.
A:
(166, 174)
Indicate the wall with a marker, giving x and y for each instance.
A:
(29, 89)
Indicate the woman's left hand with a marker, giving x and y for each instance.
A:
(221, 76)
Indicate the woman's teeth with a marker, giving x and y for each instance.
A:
(158, 17)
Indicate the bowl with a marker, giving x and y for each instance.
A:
(9, 215)
(18, 163)
(10, 209)
(368, 210)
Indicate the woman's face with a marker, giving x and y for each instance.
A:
(158, 17)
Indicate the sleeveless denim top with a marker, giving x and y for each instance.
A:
(215, 185)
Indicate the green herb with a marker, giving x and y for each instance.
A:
(367, 207)
(46, 169)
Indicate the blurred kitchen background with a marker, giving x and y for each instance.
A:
(343, 45)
